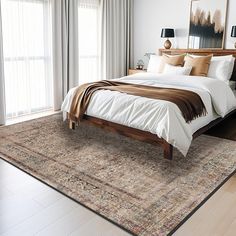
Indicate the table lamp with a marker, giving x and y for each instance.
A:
(167, 33)
(233, 33)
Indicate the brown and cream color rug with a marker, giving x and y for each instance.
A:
(126, 181)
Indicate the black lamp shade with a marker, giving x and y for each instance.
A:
(233, 32)
(167, 33)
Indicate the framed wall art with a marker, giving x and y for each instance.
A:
(207, 24)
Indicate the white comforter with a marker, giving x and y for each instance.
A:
(160, 117)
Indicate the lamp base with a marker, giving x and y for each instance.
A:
(167, 44)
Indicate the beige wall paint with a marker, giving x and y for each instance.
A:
(150, 16)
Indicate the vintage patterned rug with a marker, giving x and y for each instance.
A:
(126, 181)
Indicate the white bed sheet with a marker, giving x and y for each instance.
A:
(160, 117)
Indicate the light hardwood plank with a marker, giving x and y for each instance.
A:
(96, 227)
(48, 197)
(42, 218)
(216, 217)
(15, 210)
(5, 193)
(67, 224)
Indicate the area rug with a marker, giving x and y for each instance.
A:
(126, 181)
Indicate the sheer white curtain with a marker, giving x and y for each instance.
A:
(89, 40)
(26, 30)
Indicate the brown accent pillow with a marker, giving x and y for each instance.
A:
(200, 65)
(177, 60)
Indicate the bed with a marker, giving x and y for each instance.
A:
(155, 121)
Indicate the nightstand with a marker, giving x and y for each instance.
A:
(135, 71)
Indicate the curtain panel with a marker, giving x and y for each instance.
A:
(2, 84)
(116, 37)
(65, 48)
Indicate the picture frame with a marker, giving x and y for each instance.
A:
(207, 24)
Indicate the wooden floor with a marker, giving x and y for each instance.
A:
(28, 207)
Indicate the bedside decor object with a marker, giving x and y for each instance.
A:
(149, 54)
(140, 65)
(233, 33)
(207, 24)
(136, 71)
(167, 33)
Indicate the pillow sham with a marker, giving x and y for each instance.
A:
(200, 65)
(221, 67)
(223, 58)
(154, 64)
(177, 70)
(177, 60)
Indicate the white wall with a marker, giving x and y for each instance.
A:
(150, 16)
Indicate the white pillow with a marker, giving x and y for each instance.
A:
(154, 64)
(221, 67)
(177, 70)
(223, 58)
(221, 70)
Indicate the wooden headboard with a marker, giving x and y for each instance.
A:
(203, 52)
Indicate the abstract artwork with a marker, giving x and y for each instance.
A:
(207, 24)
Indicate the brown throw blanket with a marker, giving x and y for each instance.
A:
(189, 103)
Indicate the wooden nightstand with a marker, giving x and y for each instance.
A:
(135, 71)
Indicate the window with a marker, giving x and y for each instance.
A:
(27, 56)
(89, 58)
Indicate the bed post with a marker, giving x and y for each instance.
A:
(71, 124)
(168, 150)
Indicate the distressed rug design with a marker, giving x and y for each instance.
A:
(126, 181)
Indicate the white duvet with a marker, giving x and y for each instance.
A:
(160, 117)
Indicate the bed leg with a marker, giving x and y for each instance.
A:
(168, 151)
(71, 124)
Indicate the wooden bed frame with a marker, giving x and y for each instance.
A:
(147, 136)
